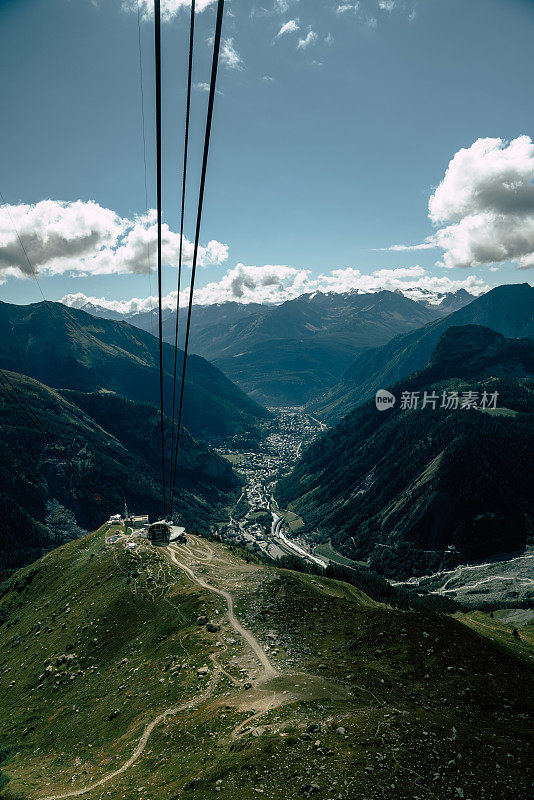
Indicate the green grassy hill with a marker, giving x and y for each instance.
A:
(113, 686)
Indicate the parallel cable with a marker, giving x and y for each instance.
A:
(157, 54)
(213, 83)
(143, 127)
(182, 212)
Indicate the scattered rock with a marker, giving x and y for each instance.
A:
(310, 789)
(213, 627)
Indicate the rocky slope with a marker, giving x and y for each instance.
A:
(114, 685)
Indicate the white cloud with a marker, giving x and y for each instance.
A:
(386, 5)
(274, 284)
(412, 281)
(86, 238)
(329, 39)
(282, 6)
(484, 206)
(229, 54)
(491, 175)
(289, 27)
(310, 38)
(344, 7)
(169, 8)
(205, 87)
(265, 284)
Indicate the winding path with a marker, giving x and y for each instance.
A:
(268, 669)
(268, 672)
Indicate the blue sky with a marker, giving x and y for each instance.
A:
(328, 141)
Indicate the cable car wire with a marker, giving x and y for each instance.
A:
(182, 212)
(143, 128)
(157, 56)
(207, 135)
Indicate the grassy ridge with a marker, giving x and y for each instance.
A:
(369, 701)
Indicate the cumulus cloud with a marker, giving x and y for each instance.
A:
(386, 5)
(344, 7)
(274, 284)
(282, 6)
(86, 238)
(229, 55)
(484, 206)
(289, 27)
(169, 8)
(414, 282)
(310, 38)
(264, 284)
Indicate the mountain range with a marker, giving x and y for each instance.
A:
(289, 353)
(66, 348)
(414, 489)
(507, 309)
(98, 451)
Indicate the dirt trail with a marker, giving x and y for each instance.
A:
(267, 668)
(142, 743)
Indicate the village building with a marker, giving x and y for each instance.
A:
(140, 521)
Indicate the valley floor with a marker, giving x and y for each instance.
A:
(186, 671)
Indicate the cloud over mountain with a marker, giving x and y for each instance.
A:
(487, 196)
(275, 284)
(484, 206)
(83, 237)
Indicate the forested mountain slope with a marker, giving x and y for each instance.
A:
(415, 488)
(102, 450)
(69, 349)
(508, 309)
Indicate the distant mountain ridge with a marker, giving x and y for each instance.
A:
(412, 490)
(289, 353)
(508, 309)
(69, 349)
